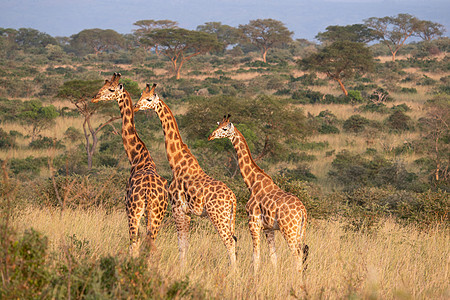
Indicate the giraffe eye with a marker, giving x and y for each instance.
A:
(224, 129)
(111, 90)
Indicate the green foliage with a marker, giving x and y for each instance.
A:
(340, 60)
(358, 33)
(356, 124)
(39, 117)
(265, 34)
(29, 166)
(72, 134)
(6, 140)
(24, 268)
(374, 107)
(131, 86)
(398, 121)
(268, 118)
(46, 143)
(354, 171)
(29, 272)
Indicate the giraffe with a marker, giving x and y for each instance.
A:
(146, 191)
(269, 208)
(192, 191)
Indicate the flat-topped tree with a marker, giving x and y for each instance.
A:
(357, 33)
(266, 34)
(180, 45)
(79, 93)
(340, 61)
(147, 26)
(393, 31)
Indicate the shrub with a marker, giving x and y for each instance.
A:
(399, 121)
(355, 96)
(374, 107)
(25, 266)
(353, 171)
(29, 165)
(328, 129)
(408, 90)
(6, 140)
(46, 143)
(307, 96)
(72, 134)
(355, 124)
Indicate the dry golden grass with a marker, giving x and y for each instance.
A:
(391, 262)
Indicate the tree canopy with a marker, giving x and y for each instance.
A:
(227, 35)
(180, 45)
(96, 41)
(80, 93)
(393, 31)
(358, 33)
(266, 34)
(340, 60)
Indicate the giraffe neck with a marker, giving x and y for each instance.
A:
(178, 154)
(250, 171)
(137, 153)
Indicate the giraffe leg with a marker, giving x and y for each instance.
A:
(134, 214)
(270, 236)
(224, 228)
(292, 236)
(156, 209)
(254, 224)
(182, 221)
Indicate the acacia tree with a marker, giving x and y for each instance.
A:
(80, 93)
(266, 34)
(428, 30)
(37, 116)
(357, 33)
(227, 35)
(96, 41)
(180, 45)
(147, 26)
(436, 127)
(393, 31)
(339, 61)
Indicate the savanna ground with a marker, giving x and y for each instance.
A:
(357, 254)
(389, 262)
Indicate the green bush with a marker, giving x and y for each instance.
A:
(29, 165)
(408, 90)
(355, 124)
(25, 268)
(46, 143)
(6, 140)
(399, 121)
(354, 171)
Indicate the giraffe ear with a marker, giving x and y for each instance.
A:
(120, 86)
(218, 123)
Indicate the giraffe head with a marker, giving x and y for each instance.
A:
(224, 130)
(149, 99)
(110, 90)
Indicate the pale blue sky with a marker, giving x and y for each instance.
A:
(304, 18)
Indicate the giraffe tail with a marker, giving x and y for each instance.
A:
(233, 221)
(305, 250)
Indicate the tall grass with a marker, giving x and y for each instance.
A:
(388, 262)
